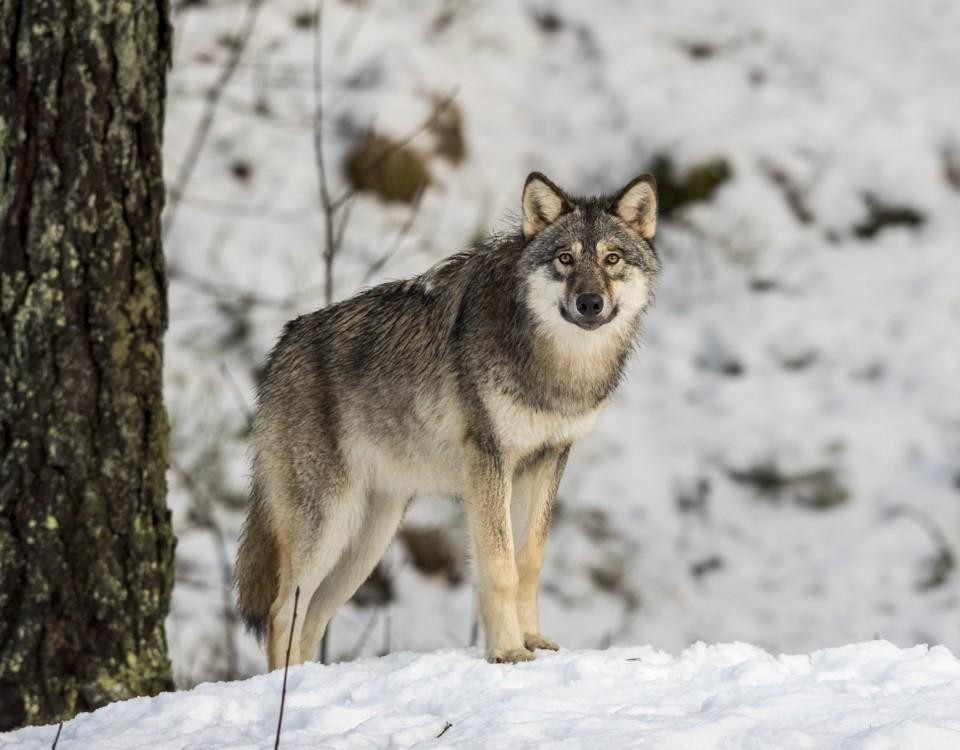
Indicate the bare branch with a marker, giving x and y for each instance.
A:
(199, 139)
(240, 295)
(405, 228)
(336, 211)
(344, 221)
(200, 583)
(237, 210)
(387, 630)
(237, 392)
(329, 212)
(365, 635)
(286, 667)
(349, 35)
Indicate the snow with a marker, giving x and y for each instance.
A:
(772, 342)
(867, 696)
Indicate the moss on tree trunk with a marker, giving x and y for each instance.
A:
(86, 545)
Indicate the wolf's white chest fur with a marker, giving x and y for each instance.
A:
(522, 429)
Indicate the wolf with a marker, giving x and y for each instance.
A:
(471, 380)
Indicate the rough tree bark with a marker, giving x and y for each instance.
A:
(86, 545)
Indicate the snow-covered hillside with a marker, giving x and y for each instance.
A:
(782, 466)
(868, 696)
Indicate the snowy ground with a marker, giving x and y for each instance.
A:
(868, 696)
(782, 466)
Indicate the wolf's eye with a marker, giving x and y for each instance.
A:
(612, 259)
(565, 258)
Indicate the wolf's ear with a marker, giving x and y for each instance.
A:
(636, 205)
(543, 204)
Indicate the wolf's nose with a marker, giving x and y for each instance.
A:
(589, 305)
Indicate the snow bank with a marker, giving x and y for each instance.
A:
(780, 343)
(868, 695)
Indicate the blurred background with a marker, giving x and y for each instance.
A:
(782, 464)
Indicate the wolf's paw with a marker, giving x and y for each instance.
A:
(508, 655)
(533, 641)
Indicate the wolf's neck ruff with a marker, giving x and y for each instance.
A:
(471, 380)
(587, 363)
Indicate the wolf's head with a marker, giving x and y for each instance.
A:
(588, 262)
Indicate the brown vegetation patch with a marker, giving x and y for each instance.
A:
(434, 552)
(393, 170)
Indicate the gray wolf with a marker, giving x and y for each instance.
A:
(471, 380)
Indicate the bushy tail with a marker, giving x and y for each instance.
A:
(257, 573)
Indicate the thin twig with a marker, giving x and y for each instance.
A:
(218, 289)
(240, 295)
(387, 630)
(237, 392)
(446, 727)
(334, 222)
(239, 105)
(201, 583)
(178, 188)
(374, 268)
(349, 35)
(329, 212)
(341, 229)
(286, 667)
(291, 78)
(240, 210)
(57, 738)
(365, 635)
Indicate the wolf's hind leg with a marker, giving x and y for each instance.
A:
(358, 560)
(534, 490)
(278, 630)
(319, 543)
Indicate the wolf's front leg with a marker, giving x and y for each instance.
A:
(487, 502)
(534, 490)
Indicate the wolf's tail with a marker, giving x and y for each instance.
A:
(257, 573)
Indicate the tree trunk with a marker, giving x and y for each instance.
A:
(86, 546)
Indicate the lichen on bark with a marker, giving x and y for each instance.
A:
(85, 539)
